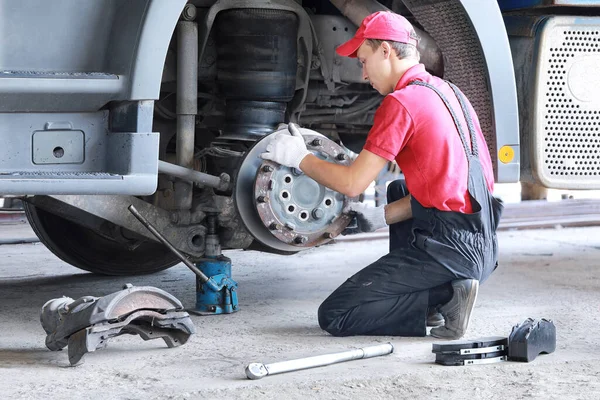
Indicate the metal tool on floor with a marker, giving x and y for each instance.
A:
(217, 292)
(259, 370)
(86, 324)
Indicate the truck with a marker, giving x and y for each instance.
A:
(164, 105)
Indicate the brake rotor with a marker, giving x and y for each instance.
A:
(285, 209)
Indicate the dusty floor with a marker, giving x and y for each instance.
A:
(552, 273)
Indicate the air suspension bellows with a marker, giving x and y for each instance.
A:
(256, 69)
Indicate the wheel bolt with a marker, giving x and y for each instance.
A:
(274, 226)
(317, 142)
(300, 239)
(341, 157)
(317, 213)
(261, 199)
(267, 168)
(328, 235)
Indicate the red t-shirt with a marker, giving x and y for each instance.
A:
(413, 126)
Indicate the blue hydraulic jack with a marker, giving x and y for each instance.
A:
(216, 294)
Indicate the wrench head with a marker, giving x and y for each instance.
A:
(256, 371)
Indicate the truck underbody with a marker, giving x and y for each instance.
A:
(164, 105)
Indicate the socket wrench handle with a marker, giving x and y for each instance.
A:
(163, 240)
(259, 370)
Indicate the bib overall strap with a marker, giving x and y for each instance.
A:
(463, 105)
(469, 151)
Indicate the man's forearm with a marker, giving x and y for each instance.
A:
(336, 177)
(398, 211)
(351, 180)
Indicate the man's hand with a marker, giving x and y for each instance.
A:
(369, 219)
(286, 149)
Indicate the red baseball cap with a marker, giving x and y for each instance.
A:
(382, 25)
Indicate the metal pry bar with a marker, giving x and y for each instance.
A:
(259, 370)
(164, 241)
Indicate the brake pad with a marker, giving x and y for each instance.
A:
(471, 352)
(531, 338)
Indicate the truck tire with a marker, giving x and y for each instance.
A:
(87, 250)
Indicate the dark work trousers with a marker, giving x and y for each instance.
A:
(390, 296)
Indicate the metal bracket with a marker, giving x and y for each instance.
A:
(482, 350)
(485, 361)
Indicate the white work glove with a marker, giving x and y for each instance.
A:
(368, 218)
(286, 148)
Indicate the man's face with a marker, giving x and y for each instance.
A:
(376, 67)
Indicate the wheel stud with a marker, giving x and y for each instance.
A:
(300, 239)
(317, 213)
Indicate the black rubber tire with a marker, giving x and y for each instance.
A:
(85, 249)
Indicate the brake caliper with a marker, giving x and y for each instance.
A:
(86, 324)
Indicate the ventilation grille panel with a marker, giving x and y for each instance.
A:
(567, 131)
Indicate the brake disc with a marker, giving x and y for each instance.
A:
(285, 209)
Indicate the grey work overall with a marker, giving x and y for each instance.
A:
(390, 296)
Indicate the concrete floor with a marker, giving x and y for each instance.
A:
(547, 273)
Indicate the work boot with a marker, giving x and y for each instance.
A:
(434, 318)
(457, 312)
